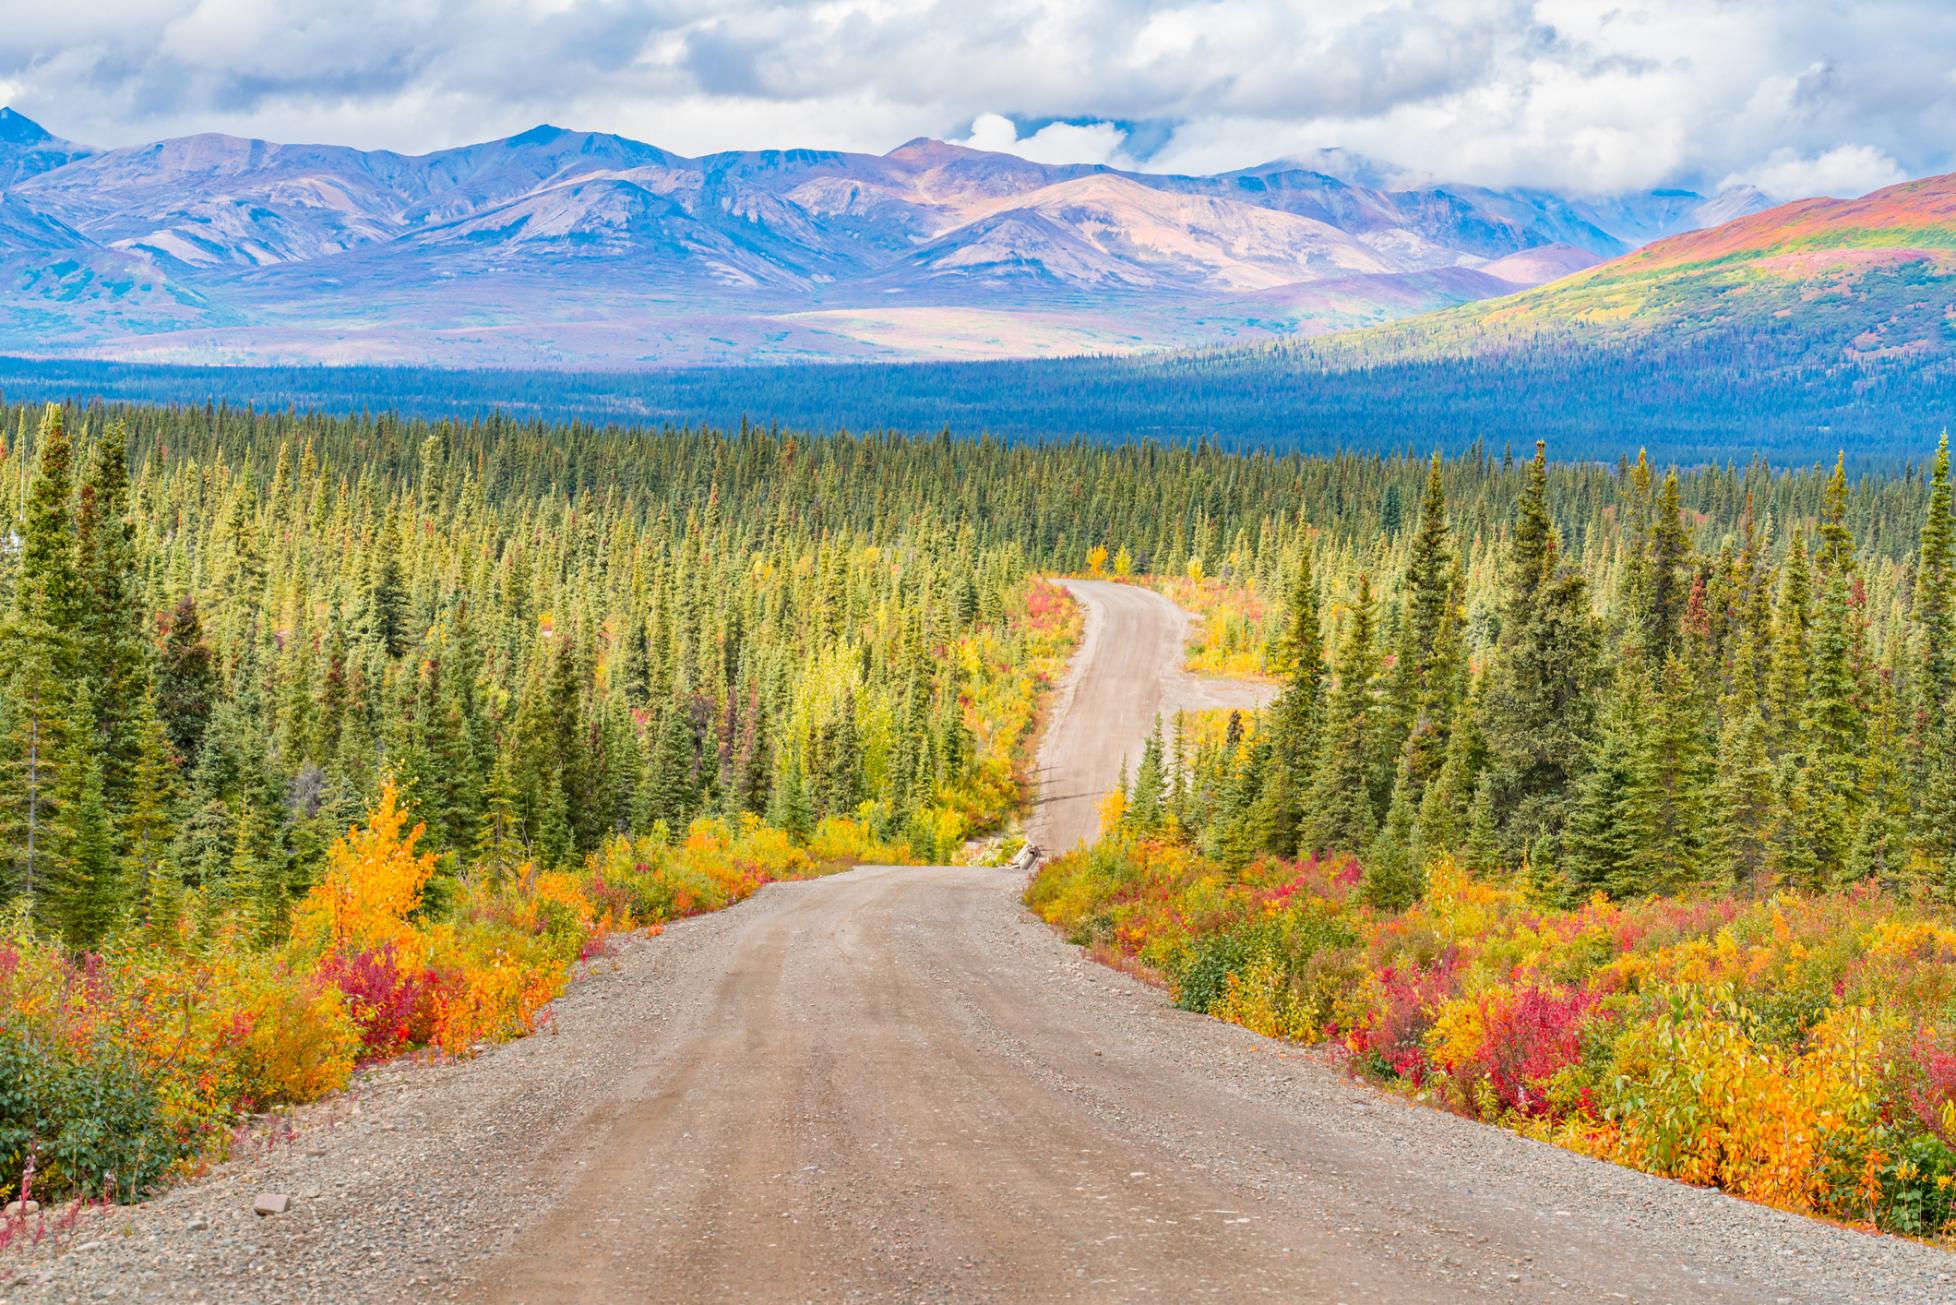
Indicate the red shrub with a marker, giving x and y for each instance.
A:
(1408, 998)
(1930, 1072)
(1529, 1036)
(390, 1005)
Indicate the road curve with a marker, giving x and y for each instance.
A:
(895, 1085)
(1127, 672)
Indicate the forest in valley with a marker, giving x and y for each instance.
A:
(327, 737)
(1690, 396)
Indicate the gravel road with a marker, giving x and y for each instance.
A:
(894, 1085)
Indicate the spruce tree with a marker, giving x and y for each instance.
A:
(186, 683)
(1932, 718)
(791, 808)
(1678, 760)
(40, 665)
(148, 824)
(113, 645)
(387, 603)
(498, 844)
(1830, 735)
(83, 892)
(1613, 817)
(1786, 676)
(670, 766)
(1292, 748)
(1445, 807)
(1743, 807)
(1429, 658)
(1147, 804)
(1338, 811)
(1393, 875)
(1666, 563)
(1538, 706)
(1880, 850)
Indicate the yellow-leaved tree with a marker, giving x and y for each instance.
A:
(372, 884)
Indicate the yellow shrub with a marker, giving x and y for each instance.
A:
(1459, 1031)
(302, 1042)
(1259, 998)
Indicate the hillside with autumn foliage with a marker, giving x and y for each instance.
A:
(1854, 282)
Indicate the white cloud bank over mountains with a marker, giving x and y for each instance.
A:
(1794, 96)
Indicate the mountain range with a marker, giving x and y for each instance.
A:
(580, 249)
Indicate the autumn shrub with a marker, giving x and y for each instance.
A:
(89, 1119)
(1528, 1037)
(1794, 1049)
(1217, 958)
(391, 1005)
(1928, 1078)
(1232, 635)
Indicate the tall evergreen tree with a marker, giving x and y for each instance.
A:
(112, 642)
(1147, 804)
(1932, 722)
(1613, 817)
(1338, 812)
(1742, 804)
(186, 683)
(1538, 707)
(1430, 658)
(1292, 747)
(40, 642)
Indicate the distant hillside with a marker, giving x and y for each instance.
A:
(1865, 283)
(558, 248)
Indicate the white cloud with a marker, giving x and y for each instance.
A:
(1576, 94)
(1056, 142)
(1845, 171)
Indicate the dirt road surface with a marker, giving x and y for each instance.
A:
(894, 1085)
(1127, 673)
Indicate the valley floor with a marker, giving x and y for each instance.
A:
(895, 1084)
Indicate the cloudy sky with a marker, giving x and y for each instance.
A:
(1796, 96)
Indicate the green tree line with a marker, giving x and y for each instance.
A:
(1690, 699)
(222, 627)
(210, 664)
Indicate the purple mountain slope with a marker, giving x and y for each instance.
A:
(558, 247)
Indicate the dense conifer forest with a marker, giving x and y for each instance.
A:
(1710, 686)
(224, 628)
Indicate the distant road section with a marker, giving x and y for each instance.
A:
(1128, 671)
